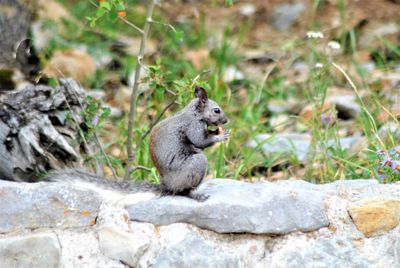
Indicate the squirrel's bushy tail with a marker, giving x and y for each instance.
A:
(78, 176)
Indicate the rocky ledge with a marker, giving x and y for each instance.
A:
(281, 224)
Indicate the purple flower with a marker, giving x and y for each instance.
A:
(381, 152)
(395, 166)
(381, 175)
(328, 118)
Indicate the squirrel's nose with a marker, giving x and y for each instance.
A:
(225, 120)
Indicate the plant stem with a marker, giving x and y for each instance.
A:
(129, 149)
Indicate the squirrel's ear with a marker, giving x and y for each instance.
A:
(201, 94)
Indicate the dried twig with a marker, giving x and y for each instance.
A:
(130, 152)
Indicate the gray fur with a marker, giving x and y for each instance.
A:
(177, 144)
(76, 175)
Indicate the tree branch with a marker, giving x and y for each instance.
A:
(130, 152)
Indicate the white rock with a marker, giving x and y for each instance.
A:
(121, 245)
(232, 73)
(247, 9)
(32, 250)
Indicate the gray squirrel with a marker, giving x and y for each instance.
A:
(176, 149)
(177, 144)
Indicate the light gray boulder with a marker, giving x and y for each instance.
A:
(32, 250)
(39, 205)
(194, 251)
(237, 207)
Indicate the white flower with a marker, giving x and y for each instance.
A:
(318, 65)
(315, 35)
(334, 45)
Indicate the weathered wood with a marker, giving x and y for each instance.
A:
(36, 132)
(15, 18)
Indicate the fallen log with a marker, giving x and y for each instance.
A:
(40, 130)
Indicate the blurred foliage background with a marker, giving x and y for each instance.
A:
(311, 87)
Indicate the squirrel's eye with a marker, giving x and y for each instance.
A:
(217, 110)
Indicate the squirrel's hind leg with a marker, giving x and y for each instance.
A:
(185, 180)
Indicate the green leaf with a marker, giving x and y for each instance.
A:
(100, 12)
(228, 3)
(113, 15)
(120, 7)
(105, 113)
(105, 5)
(179, 35)
(92, 23)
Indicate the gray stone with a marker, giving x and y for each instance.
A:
(34, 250)
(291, 143)
(194, 251)
(332, 252)
(37, 205)
(285, 15)
(121, 245)
(380, 31)
(236, 207)
(354, 185)
(346, 105)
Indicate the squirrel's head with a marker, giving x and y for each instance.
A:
(212, 114)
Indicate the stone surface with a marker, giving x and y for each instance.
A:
(32, 250)
(256, 208)
(115, 241)
(337, 252)
(285, 15)
(346, 105)
(122, 246)
(194, 251)
(376, 215)
(38, 205)
(292, 143)
(80, 248)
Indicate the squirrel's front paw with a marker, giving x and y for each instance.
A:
(225, 135)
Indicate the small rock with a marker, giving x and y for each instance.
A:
(380, 31)
(375, 215)
(282, 106)
(285, 15)
(292, 143)
(389, 130)
(346, 106)
(197, 57)
(33, 250)
(299, 72)
(194, 251)
(247, 10)
(70, 63)
(310, 110)
(232, 74)
(279, 122)
(131, 45)
(96, 94)
(116, 112)
(121, 245)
